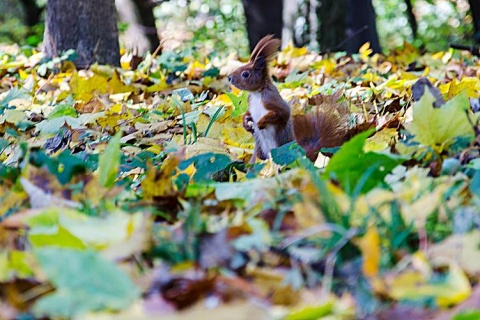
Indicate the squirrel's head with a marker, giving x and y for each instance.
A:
(254, 75)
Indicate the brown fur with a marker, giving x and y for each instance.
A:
(325, 127)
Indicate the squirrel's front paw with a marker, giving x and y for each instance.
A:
(248, 124)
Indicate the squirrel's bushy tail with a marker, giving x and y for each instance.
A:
(326, 126)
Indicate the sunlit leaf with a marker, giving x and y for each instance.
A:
(109, 162)
(438, 127)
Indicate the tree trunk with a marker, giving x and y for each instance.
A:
(289, 11)
(263, 17)
(147, 18)
(361, 26)
(411, 18)
(331, 14)
(87, 26)
(475, 9)
(32, 12)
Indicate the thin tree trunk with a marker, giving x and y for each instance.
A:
(331, 14)
(289, 11)
(411, 18)
(32, 12)
(87, 26)
(475, 9)
(147, 20)
(263, 17)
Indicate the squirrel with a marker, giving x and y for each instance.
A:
(269, 117)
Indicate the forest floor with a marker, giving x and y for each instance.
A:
(124, 192)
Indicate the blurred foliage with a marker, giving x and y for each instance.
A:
(12, 27)
(215, 25)
(440, 22)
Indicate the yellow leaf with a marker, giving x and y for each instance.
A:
(290, 52)
(470, 85)
(438, 127)
(308, 213)
(369, 245)
(458, 287)
(381, 140)
(84, 88)
(407, 285)
(194, 69)
(162, 85)
(159, 182)
(413, 285)
(238, 137)
(115, 85)
(365, 50)
(10, 198)
(113, 115)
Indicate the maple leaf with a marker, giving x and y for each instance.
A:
(438, 127)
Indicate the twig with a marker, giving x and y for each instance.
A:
(475, 50)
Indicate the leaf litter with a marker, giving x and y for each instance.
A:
(124, 192)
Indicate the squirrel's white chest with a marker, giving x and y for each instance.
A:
(265, 137)
(256, 107)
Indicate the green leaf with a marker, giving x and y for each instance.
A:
(42, 237)
(467, 315)
(240, 103)
(13, 116)
(13, 94)
(357, 171)
(109, 162)
(65, 166)
(84, 281)
(311, 312)
(475, 183)
(438, 127)
(184, 93)
(206, 164)
(63, 110)
(287, 153)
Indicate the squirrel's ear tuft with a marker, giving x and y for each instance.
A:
(265, 49)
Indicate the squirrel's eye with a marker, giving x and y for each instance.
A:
(245, 74)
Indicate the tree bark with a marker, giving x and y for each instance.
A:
(411, 18)
(32, 12)
(147, 18)
(87, 26)
(331, 14)
(361, 26)
(475, 9)
(263, 17)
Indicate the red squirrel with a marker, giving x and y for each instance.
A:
(269, 116)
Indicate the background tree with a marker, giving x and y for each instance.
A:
(32, 12)
(328, 25)
(87, 26)
(263, 17)
(475, 10)
(360, 25)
